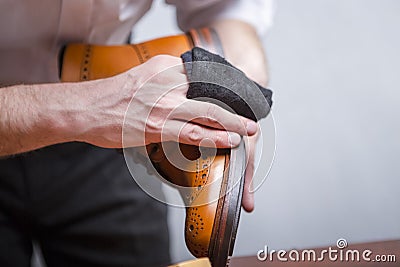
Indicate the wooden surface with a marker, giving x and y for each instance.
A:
(377, 248)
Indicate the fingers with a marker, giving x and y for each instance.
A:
(211, 115)
(195, 134)
(207, 121)
(248, 194)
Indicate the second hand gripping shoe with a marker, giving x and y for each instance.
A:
(212, 178)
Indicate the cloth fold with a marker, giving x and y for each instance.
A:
(214, 79)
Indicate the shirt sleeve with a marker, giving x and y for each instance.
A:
(197, 13)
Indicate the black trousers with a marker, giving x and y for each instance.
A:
(82, 206)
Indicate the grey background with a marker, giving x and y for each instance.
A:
(335, 72)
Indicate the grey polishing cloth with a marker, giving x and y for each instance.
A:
(213, 79)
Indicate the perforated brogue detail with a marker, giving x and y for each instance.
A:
(194, 227)
(194, 220)
(85, 65)
(200, 179)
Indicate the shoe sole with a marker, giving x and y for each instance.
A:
(228, 209)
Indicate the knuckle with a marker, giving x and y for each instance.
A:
(211, 121)
(240, 127)
(163, 61)
(212, 112)
(195, 133)
(240, 124)
(181, 91)
(220, 138)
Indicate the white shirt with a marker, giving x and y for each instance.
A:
(32, 32)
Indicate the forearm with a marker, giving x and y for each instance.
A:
(243, 48)
(34, 116)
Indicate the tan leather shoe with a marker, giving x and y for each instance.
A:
(82, 62)
(214, 179)
(214, 199)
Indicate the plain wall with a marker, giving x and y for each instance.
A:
(335, 71)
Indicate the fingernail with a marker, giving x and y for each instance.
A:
(234, 139)
(251, 127)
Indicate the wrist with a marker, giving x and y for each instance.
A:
(91, 110)
(66, 114)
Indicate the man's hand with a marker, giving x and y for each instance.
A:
(34, 116)
(158, 111)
